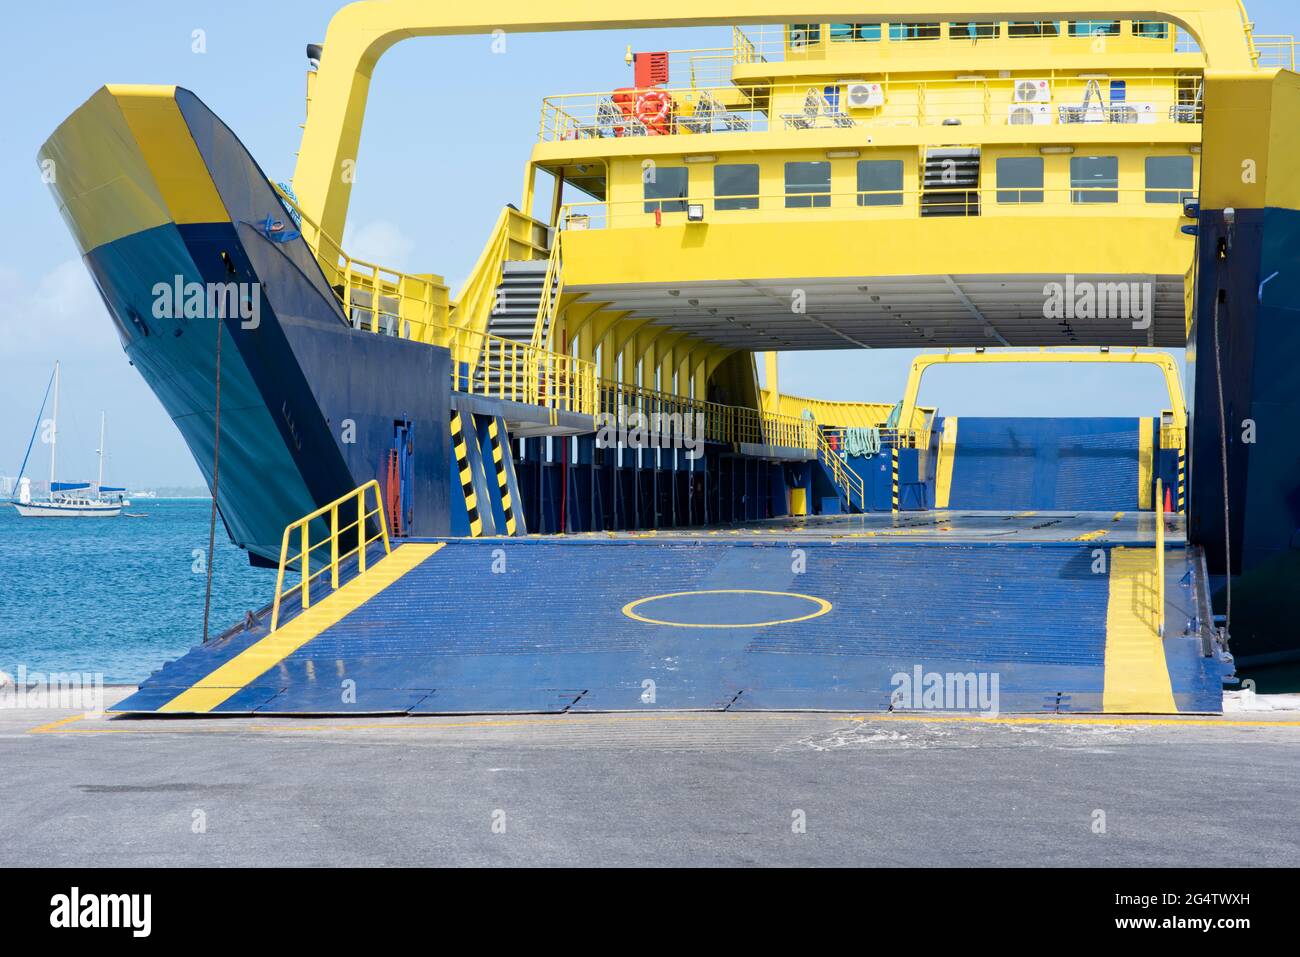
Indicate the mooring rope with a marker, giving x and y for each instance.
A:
(216, 463)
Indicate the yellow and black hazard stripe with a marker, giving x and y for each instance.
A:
(499, 454)
(894, 462)
(1182, 478)
(461, 449)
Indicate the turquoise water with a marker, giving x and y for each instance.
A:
(117, 596)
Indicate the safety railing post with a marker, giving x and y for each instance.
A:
(334, 546)
(306, 565)
(361, 529)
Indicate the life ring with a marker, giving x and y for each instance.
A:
(654, 108)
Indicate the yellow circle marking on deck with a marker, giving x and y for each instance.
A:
(823, 606)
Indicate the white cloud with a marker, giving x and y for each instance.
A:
(60, 313)
(379, 242)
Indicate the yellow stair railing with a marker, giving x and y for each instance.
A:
(384, 300)
(845, 478)
(300, 531)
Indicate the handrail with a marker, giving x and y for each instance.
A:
(549, 302)
(1160, 558)
(304, 554)
(721, 423)
(844, 476)
(482, 363)
(764, 106)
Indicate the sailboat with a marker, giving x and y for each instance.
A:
(67, 499)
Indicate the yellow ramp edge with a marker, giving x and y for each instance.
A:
(947, 457)
(1137, 675)
(265, 654)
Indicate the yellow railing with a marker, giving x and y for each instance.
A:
(716, 422)
(499, 368)
(845, 478)
(356, 530)
(386, 301)
(375, 297)
(552, 289)
(1160, 559)
(1273, 51)
(1149, 99)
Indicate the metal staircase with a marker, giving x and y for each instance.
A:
(518, 301)
(514, 317)
(952, 181)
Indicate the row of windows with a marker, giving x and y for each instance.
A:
(809, 34)
(1093, 179)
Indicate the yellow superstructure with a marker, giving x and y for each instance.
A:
(986, 175)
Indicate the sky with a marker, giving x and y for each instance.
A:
(448, 131)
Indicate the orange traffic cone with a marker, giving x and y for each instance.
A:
(1169, 499)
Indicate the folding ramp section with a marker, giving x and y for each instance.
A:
(637, 624)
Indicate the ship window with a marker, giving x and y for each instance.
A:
(735, 186)
(1020, 179)
(1094, 28)
(855, 32)
(1152, 29)
(1034, 28)
(1169, 179)
(880, 182)
(914, 31)
(973, 30)
(805, 35)
(668, 183)
(1094, 179)
(807, 184)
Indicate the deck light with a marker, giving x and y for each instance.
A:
(700, 158)
(842, 154)
(695, 212)
(1055, 149)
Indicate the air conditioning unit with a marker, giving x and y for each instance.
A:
(862, 95)
(1133, 113)
(1033, 91)
(1029, 114)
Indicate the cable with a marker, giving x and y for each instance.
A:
(216, 462)
(1219, 297)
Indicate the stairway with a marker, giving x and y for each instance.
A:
(951, 183)
(514, 316)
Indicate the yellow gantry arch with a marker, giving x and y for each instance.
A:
(1161, 360)
(361, 33)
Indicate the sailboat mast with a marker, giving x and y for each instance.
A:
(54, 426)
(100, 483)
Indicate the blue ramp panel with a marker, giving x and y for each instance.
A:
(628, 625)
(1050, 464)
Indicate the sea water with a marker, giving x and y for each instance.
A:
(117, 596)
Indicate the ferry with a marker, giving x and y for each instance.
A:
(575, 483)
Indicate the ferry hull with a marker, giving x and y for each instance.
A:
(161, 196)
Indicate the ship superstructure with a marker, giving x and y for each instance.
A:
(1033, 183)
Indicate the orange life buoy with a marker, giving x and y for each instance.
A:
(654, 108)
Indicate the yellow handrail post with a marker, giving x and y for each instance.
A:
(383, 519)
(334, 545)
(306, 566)
(279, 578)
(361, 528)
